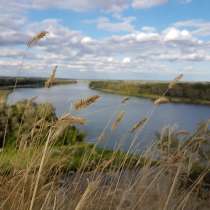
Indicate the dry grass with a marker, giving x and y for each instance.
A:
(160, 184)
(84, 103)
(175, 81)
(161, 100)
(138, 125)
(36, 38)
(125, 99)
(118, 120)
(51, 79)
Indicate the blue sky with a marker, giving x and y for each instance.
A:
(107, 39)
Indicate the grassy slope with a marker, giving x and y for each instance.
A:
(25, 141)
(197, 93)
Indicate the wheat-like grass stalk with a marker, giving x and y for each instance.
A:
(118, 120)
(40, 170)
(36, 38)
(138, 125)
(51, 79)
(90, 190)
(174, 82)
(161, 100)
(83, 103)
(173, 186)
(182, 133)
(125, 99)
(71, 120)
(65, 121)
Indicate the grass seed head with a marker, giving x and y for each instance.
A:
(51, 79)
(83, 103)
(174, 82)
(36, 38)
(138, 125)
(71, 120)
(125, 99)
(161, 100)
(118, 120)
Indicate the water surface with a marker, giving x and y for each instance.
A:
(100, 114)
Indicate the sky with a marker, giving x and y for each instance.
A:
(107, 39)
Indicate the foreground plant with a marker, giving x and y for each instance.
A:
(83, 103)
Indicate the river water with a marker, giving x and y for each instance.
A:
(100, 115)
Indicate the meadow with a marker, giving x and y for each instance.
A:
(45, 162)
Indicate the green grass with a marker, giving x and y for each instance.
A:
(66, 158)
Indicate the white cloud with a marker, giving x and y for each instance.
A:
(86, 40)
(126, 60)
(138, 51)
(124, 24)
(198, 27)
(77, 5)
(172, 34)
(142, 4)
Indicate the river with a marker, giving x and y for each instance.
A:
(100, 114)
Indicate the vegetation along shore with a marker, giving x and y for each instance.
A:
(21, 82)
(195, 93)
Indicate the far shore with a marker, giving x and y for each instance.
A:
(188, 93)
(30, 82)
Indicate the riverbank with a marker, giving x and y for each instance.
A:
(26, 82)
(191, 93)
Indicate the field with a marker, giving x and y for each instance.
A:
(194, 93)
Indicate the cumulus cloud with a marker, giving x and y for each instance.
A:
(126, 60)
(134, 51)
(124, 24)
(142, 4)
(77, 5)
(198, 27)
(173, 34)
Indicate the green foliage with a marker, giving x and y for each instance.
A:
(30, 82)
(27, 123)
(182, 92)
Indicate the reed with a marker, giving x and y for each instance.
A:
(84, 103)
(118, 120)
(161, 100)
(138, 125)
(51, 79)
(36, 38)
(125, 99)
(173, 83)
